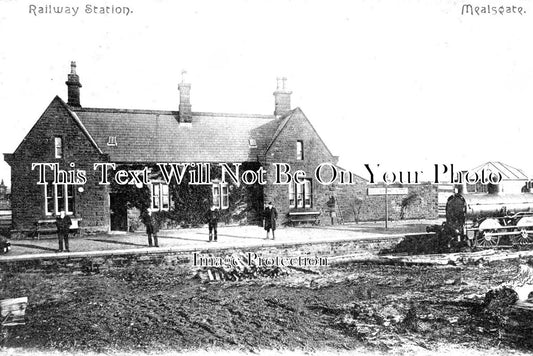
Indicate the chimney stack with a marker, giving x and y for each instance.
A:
(282, 98)
(185, 99)
(74, 85)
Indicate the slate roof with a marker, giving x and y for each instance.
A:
(507, 172)
(158, 136)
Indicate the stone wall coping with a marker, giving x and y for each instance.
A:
(207, 249)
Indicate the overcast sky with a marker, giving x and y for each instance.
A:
(402, 83)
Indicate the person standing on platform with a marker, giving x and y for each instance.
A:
(152, 228)
(212, 221)
(63, 223)
(270, 215)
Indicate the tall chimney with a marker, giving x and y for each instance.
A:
(185, 99)
(74, 85)
(282, 98)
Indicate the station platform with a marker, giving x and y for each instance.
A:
(197, 239)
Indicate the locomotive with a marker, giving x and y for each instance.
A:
(490, 219)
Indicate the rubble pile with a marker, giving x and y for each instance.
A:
(506, 310)
(519, 288)
(237, 268)
(370, 318)
(388, 324)
(497, 299)
(442, 241)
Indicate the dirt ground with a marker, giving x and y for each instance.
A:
(376, 309)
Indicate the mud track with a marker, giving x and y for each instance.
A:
(377, 308)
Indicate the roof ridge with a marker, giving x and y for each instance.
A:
(283, 121)
(506, 168)
(510, 171)
(72, 115)
(80, 124)
(509, 166)
(125, 111)
(168, 112)
(289, 115)
(258, 116)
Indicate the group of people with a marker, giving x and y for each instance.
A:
(63, 224)
(270, 215)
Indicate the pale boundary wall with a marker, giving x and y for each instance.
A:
(98, 261)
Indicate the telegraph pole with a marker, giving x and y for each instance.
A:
(386, 207)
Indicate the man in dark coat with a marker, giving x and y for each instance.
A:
(212, 220)
(152, 227)
(63, 223)
(270, 215)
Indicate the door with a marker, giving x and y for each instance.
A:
(119, 213)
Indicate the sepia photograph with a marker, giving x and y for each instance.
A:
(261, 177)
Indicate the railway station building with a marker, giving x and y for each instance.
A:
(72, 138)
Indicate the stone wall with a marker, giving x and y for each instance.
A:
(27, 197)
(97, 262)
(356, 205)
(349, 200)
(423, 204)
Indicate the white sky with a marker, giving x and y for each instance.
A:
(402, 83)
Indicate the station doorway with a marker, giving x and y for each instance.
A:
(118, 212)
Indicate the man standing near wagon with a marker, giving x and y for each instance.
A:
(63, 223)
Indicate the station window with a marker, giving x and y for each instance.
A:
(58, 147)
(220, 195)
(292, 202)
(301, 195)
(307, 193)
(300, 150)
(160, 197)
(58, 197)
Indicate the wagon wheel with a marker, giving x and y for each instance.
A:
(484, 239)
(523, 238)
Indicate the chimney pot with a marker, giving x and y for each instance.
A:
(282, 97)
(73, 85)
